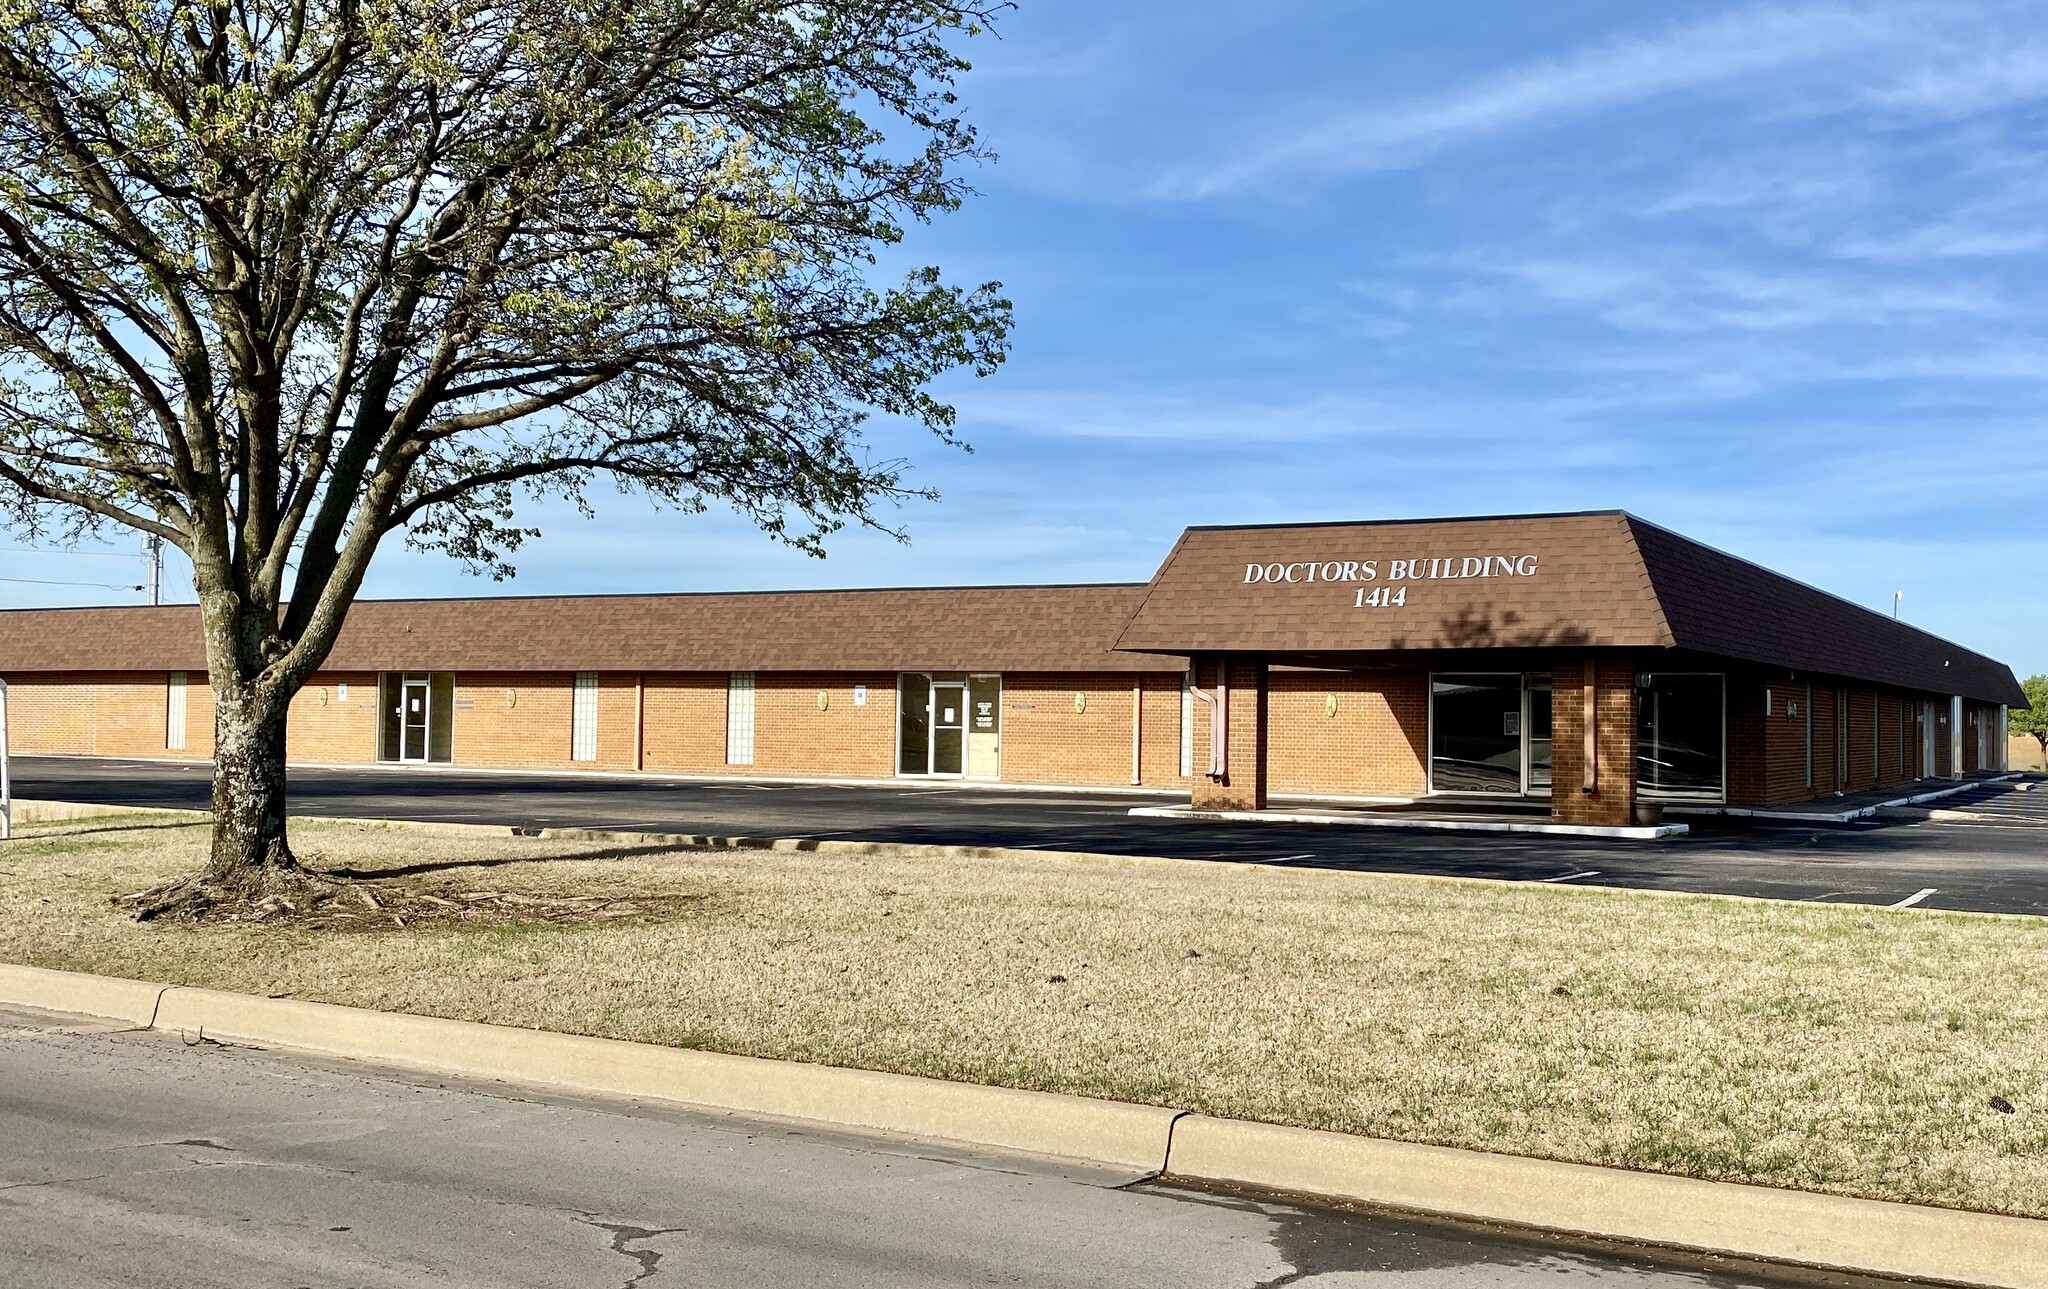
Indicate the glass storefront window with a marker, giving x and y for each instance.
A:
(1680, 736)
(1539, 734)
(914, 735)
(1475, 736)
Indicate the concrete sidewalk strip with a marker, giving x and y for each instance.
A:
(1397, 819)
(1799, 1227)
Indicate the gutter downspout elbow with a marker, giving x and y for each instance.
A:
(1219, 718)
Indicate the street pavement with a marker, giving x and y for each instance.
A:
(1997, 864)
(138, 1160)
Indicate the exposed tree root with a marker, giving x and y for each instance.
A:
(257, 894)
(326, 901)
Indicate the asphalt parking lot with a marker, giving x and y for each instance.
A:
(1996, 862)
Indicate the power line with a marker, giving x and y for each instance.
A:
(38, 581)
(43, 550)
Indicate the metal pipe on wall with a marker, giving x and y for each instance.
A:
(1590, 778)
(1219, 714)
(1137, 732)
(639, 720)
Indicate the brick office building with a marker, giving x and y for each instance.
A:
(1593, 660)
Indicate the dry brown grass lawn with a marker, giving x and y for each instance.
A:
(1841, 1049)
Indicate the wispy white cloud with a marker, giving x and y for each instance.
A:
(1698, 56)
(1680, 293)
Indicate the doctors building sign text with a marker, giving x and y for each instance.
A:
(1392, 592)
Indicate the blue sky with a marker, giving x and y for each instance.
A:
(1770, 274)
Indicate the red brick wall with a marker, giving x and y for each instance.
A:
(325, 729)
(93, 715)
(1614, 705)
(1374, 744)
(1749, 736)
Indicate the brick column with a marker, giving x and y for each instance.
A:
(1242, 695)
(1612, 701)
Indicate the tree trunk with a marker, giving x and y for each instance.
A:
(249, 845)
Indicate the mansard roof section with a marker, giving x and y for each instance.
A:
(1719, 604)
(1521, 581)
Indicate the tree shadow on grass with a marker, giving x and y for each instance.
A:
(500, 861)
(64, 829)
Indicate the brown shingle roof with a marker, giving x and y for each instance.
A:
(1000, 628)
(1602, 579)
(1719, 604)
(1587, 585)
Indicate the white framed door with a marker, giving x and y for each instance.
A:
(416, 703)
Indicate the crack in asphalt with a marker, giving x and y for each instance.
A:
(623, 1235)
(55, 1181)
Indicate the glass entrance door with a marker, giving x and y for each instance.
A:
(949, 726)
(413, 720)
(1475, 734)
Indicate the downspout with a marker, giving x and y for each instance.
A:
(640, 720)
(1137, 732)
(1590, 779)
(1219, 717)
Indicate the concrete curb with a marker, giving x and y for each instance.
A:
(1834, 1232)
(1769, 815)
(1616, 832)
(1037, 1123)
(57, 812)
(1760, 1222)
(107, 997)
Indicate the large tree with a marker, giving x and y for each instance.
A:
(280, 279)
(2034, 719)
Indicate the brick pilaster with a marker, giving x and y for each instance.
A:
(1244, 694)
(1613, 704)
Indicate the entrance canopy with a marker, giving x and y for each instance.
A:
(1322, 594)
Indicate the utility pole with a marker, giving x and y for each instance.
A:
(153, 551)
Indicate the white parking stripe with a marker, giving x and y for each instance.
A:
(1284, 859)
(1914, 898)
(1571, 877)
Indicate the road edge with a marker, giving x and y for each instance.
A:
(1794, 1227)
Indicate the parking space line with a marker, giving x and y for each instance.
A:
(1914, 898)
(1569, 877)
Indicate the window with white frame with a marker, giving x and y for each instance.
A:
(1187, 723)
(583, 718)
(174, 714)
(739, 719)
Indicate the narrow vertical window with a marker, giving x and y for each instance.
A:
(739, 719)
(174, 714)
(583, 718)
(1187, 723)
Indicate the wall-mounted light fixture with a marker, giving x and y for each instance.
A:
(824, 699)
(1080, 702)
(1329, 704)
(511, 698)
